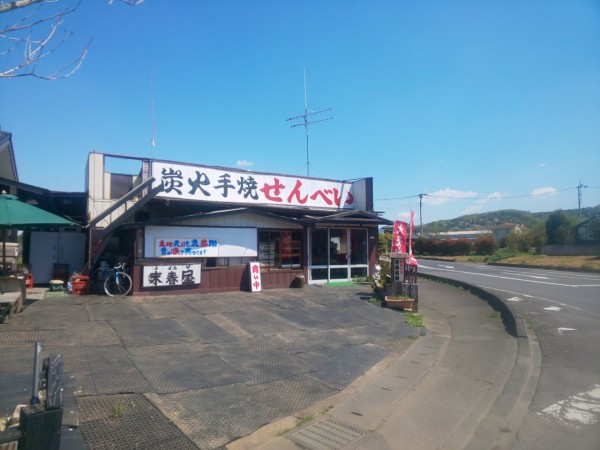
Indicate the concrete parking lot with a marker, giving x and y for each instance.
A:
(196, 371)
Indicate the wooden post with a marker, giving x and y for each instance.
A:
(54, 384)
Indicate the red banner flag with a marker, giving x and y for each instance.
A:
(399, 237)
(411, 260)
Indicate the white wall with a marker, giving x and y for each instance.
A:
(48, 248)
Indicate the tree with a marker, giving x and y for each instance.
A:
(539, 234)
(520, 240)
(559, 228)
(384, 243)
(33, 34)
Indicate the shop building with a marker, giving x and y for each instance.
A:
(187, 228)
(49, 252)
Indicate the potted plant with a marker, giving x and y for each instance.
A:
(399, 301)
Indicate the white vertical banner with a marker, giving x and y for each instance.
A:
(255, 280)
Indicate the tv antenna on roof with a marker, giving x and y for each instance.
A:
(308, 118)
(152, 140)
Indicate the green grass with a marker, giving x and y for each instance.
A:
(118, 410)
(341, 283)
(502, 253)
(414, 320)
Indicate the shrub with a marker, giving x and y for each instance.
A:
(485, 245)
(462, 247)
(442, 247)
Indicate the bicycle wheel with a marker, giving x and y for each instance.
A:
(118, 284)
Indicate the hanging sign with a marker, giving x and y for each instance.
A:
(255, 280)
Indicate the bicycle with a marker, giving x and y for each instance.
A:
(118, 283)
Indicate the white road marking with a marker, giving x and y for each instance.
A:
(578, 409)
(509, 278)
(530, 276)
(514, 299)
(561, 330)
(553, 308)
(589, 313)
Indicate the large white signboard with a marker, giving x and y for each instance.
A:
(193, 182)
(178, 242)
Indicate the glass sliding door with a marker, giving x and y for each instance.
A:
(359, 258)
(338, 254)
(319, 255)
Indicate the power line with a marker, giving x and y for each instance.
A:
(479, 198)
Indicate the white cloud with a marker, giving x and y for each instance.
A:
(472, 210)
(544, 191)
(404, 216)
(542, 165)
(447, 195)
(489, 198)
(243, 163)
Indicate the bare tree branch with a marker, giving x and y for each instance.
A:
(12, 5)
(37, 43)
(128, 2)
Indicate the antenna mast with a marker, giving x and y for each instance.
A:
(152, 141)
(306, 121)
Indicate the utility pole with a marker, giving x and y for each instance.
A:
(306, 121)
(421, 213)
(579, 188)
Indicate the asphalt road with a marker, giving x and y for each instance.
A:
(563, 309)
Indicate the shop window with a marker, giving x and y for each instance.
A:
(226, 262)
(280, 249)
(239, 260)
(211, 262)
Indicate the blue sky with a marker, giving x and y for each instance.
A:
(482, 105)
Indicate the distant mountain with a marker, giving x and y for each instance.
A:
(485, 221)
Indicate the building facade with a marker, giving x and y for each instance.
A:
(191, 228)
